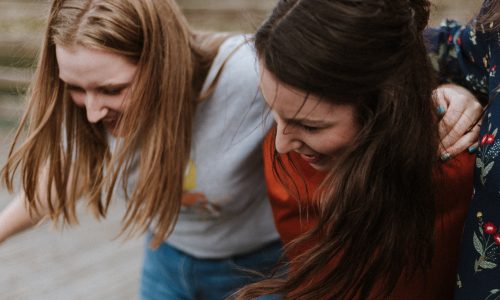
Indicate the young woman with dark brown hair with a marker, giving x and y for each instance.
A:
(351, 167)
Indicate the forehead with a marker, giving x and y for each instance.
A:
(289, 102)
(85, 66)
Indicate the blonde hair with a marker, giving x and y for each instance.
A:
(172, 64)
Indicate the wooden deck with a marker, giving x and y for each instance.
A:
(83, 262)
(80, 263)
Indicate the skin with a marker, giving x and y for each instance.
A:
(98, 81)
(320, 131)
(460, 124)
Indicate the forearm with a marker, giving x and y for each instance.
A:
(15, 218)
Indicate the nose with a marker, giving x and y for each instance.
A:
(286, 139)
(95, 110)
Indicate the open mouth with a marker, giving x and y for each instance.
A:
(311, 158)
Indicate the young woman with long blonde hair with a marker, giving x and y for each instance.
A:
(125, 97)
(358, 194)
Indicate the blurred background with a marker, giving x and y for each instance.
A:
(87, 261)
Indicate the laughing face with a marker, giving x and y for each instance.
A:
(318, 130)
(98, 81)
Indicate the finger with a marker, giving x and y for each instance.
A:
(451, 127)
(463, 144)
(476, 112)
(440, 100)
(466, 121)
(465, 124)
(475, 131)
(473, 148)
(453, 109)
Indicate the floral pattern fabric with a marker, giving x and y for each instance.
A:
(469, 55)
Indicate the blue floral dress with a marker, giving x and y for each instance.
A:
(470, 55)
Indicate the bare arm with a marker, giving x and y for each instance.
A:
(15, 218)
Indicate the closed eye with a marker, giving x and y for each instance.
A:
(111, 91)
(299, 124)
(307, 125)
(309, 128)
(74, 88)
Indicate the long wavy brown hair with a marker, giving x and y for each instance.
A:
(376, 205)
(64, 157)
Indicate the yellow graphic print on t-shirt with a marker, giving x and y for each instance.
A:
(190, 176)
(193, 201)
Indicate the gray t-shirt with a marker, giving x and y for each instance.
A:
(225, 210)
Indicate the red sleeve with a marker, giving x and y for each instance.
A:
(453, 194)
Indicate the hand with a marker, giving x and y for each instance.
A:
(461, 116)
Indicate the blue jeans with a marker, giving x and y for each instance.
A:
(170, 274)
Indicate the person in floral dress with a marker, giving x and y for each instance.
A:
(470, 55)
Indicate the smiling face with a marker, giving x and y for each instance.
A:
(98, 81)
(318, 130)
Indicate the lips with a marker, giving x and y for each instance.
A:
(312, 159)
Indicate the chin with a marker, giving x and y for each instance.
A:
(321, 167)
(325, 164)
(114, 131)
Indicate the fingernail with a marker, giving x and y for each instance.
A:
(441, 110)
(445, 156)
(472, 149)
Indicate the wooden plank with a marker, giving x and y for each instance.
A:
(225, 20)
(84, 262)
(14, 78)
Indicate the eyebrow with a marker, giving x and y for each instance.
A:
(102, 87)
(116, 86)
(308, 122)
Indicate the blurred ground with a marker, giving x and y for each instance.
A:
(85, 262)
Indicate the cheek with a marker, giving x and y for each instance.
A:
(77, 98)
(337, 141)
(332, 145)
(118, 103)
